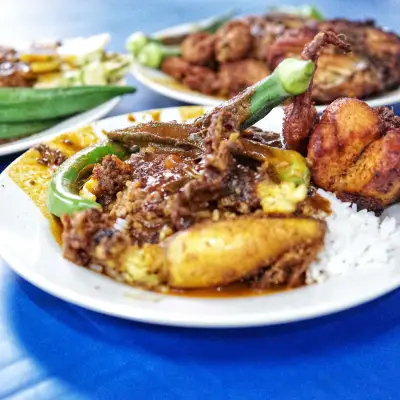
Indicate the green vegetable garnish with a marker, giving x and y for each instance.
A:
(151, 51)
(290, 78)
(152, 54)
(136, 42)
(62, 195)
(9, 130)
(28, 104)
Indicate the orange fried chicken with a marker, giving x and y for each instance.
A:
(238, 75)
(355, 152)
(198, 48)
(234, 41)
(372, 67)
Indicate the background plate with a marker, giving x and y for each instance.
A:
(67, 125)
(167, 86)
(29, 248)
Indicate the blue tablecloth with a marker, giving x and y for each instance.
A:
(53, 350)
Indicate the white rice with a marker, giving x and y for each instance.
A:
(355, 240)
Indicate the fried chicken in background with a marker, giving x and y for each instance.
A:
(254, 46)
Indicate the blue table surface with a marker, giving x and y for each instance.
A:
(50, 349)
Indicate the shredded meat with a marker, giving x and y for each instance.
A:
(88, 229)
(218, 163)
(145, 203)
(177, 67)
(111, 176)
(288, 271)
(196, 77)
(50, 157)
(157, 193)
(255, 134)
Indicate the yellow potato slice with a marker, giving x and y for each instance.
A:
(216, 254)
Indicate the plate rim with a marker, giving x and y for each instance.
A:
(185, 321)
(176, 319)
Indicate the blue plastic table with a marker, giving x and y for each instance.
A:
(52, 350)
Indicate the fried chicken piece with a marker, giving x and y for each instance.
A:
(234, 41)
(238, 75)
(380, 48)
(301, 116)
(202, 79)
(176, 67)
(373, 182)
(290, 44)
(347, 75)
(264, 34)
(384, 48)
(338, 75)
(266, 29)
(355, 152)
(199, 48)
(346, 128)
(196, 77)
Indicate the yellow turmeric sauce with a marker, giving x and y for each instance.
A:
(56, 229)
(33, 177)
(191, 112)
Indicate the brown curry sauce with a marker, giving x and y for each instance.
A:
(314, 203)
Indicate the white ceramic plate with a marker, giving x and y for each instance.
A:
(28, 246)
(67, 125)
(167, 86)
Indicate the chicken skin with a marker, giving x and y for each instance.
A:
(198, 48)
(355, 154)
